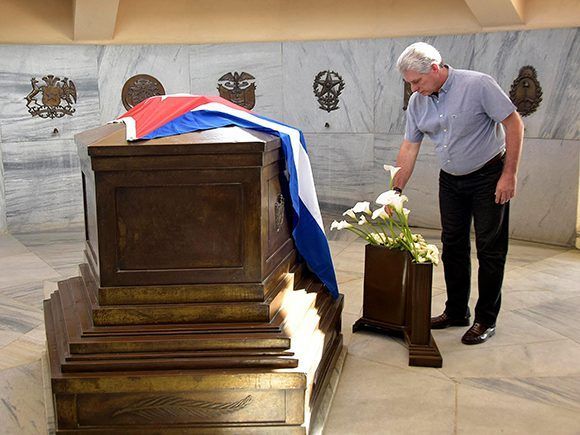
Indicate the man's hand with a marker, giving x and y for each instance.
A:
(514, 133)
(506, 188)
(406, 161)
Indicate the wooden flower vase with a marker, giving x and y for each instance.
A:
(397, 299)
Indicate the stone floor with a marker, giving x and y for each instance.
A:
(525, 380)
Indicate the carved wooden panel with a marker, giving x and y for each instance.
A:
(179, 227)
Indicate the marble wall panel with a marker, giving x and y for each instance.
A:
(342, 165)
(3, 225)
(208, 63)
(19, 64)
(117, 63)
(318, 150)
(546, 204)
(456, 50)
(353, 61)
(555, 54)
(422, 188)
(43, 185)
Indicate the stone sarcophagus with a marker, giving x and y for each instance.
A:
(193, 311)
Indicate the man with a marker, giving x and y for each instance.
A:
(463, 113)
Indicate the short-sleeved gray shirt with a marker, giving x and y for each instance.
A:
(464, 120)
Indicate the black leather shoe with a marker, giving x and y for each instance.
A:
(478, 333)
(444, 321)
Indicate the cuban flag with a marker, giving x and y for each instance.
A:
(169, 115)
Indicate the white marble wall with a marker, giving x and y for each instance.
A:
(3, 224)
(41, 176)
(116, 64)
(343, 166)
(207, 63)
(555, 54)
(347, 147)
(353, 61)
(545, 208)
(43, 185)
(19, 64)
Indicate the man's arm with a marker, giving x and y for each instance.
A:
(514, 133)
(406, 161)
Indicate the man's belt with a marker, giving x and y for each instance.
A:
(495, 159)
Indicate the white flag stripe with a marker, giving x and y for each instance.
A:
(130, 127)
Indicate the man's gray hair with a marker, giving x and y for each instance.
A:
(418, 57)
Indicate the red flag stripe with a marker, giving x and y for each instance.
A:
(165, 108)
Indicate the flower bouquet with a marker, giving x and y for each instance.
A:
(388, 225)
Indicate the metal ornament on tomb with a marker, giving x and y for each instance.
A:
(407, 92)
(151, 408)
(328, 85)
(526, 92)
(139, 88)
(238, 88)
(279, 212)
(58, 97)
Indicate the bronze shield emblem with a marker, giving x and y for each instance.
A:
(139, 88)
(238, 88)
(58, 97)
(526, 92)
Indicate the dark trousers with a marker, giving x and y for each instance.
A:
(462, 198)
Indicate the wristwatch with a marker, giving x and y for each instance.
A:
(398, 190)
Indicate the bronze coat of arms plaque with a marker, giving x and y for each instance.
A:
(139, 88)
(238, 88)
(328, 85)
(526, 92)
(58, 97)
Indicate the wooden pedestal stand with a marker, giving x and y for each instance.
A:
(397, 299)
(192, 313)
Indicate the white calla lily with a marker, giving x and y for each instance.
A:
(380, 213)
(392, 170)
(393, 199)
(398, 201)
(362, 207)
(386, 198)
(350, 213)
(339, 225)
